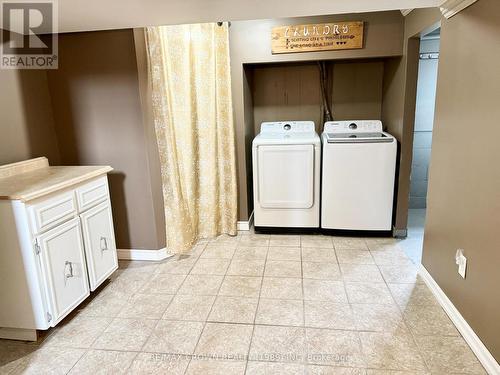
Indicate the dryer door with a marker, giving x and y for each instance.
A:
(286, 176)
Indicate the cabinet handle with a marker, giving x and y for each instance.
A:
(104, 243)
(69, 267)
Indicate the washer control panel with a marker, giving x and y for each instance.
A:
(287, 127)
(353, 126)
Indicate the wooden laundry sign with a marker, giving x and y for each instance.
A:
(317, 37)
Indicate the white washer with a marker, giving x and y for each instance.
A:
(286, 175)
(359, 163)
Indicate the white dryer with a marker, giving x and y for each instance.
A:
(286, 175)
(359, 163)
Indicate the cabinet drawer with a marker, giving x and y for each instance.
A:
(99, 239)
(92, 193)
(64, 268)
(50, 212)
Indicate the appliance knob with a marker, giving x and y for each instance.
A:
(287, 127)
(353, 126)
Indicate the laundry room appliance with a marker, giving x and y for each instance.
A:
(358, 171)
(286, 175)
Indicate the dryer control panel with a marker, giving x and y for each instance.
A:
(353, 126)
(287, 127)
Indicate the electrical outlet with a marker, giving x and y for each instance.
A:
(461, 260)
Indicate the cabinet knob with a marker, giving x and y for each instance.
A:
(68, 269)
(104, 243)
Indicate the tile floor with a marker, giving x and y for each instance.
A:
(257, 304)
(412, 244)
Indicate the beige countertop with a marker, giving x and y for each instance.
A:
(35, 178)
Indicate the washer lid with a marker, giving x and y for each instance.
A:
(358, 137)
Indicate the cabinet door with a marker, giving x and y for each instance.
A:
(64, 268)
(99, 241)
(285, 176)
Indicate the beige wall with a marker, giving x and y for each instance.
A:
(26, 122)
(464, 183)
(99, 120)
(150, 137)
(250, 43)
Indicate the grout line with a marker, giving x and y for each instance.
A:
(305, 348)
(132, 362)
(74, 364)
(257, 308)
(246, 324)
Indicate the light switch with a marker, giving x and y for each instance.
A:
(461, 260)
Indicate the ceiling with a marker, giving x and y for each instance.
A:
(84, 15)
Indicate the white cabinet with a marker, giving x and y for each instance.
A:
(54, 250)
(63, 268)
(99, 239)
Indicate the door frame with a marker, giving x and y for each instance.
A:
(412, 54)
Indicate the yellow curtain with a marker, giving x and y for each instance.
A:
(193, 116)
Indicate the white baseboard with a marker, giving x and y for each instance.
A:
(475, 343)
(245, 225)
(140, 254)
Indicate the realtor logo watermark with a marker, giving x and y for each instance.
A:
(29, 35)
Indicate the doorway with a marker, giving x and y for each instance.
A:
(422, 141)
